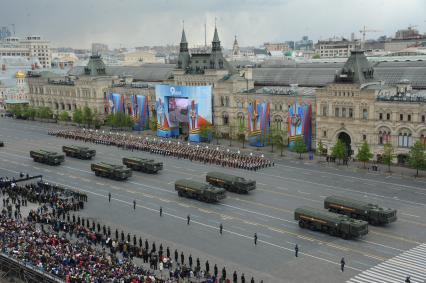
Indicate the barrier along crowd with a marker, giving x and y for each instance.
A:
(55, 239)
(168, 147)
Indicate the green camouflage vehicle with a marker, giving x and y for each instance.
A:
(353, 208)
(116, 172)
(331, 223)
(200, 191)
(230, 182)
(78, 151)
(47, 157)
(143, 165)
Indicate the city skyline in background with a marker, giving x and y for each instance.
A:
(129, 23)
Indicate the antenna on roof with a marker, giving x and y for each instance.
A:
(205, 33)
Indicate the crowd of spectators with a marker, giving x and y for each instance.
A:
(168, 147)
(54, 239)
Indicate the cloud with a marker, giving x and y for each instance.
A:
(78, 23)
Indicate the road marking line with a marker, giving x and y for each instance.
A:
(410, 215)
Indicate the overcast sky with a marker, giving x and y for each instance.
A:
(78, 23)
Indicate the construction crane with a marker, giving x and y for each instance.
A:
(365, 30)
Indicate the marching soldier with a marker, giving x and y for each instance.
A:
(342, 264)
(122, 236)
(116, 234)
(215, 270)
(182, 258)
(198, 264)
(176, 256)
(190, 261)
(207, 267)
(140, 242)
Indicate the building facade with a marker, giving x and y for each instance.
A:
(357, 107)
(29, 47)
(334, 48)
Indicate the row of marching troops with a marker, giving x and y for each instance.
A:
(168, 147)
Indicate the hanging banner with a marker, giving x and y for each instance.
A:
(258, 123)
(139, 112)
(115, 103)
(299, 123)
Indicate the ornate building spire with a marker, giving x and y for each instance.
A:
(216, 41)
(183, 59)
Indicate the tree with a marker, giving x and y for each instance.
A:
(299, 146)
(88, 116)
(64, 116)
(241, 133)
(416, 157)
(320, 148)
(205, 132)
(388, 154)
(77, 116)
(153, 124)
(279, 141)
(338, 151)
(44, 113)
(316, 56)
(216, 134)
(364, 154)
(30, 112)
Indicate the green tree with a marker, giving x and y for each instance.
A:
(320, 149)
(299, 146)
(109, 120)
(216, 134)
(316, 56)
(64, 116)
(364, 154)
(88, 116)
(279, 140)
(30, 112)
(241, 133)
(416, 157)
(388, 154)
(77, 116)
(153, 124)
(338, 151)
(205, 132)
(44, 113)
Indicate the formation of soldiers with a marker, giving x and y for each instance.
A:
(167, 147)
(56, 218)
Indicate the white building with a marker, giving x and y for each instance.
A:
(334, 48)
(28, 48)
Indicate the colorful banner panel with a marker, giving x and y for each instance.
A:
(183, 108)
(138, 109)
(115, 102)
(258, 123)
(300, 124)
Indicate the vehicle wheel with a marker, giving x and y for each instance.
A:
(345, 236)
(97, 173)
(301, 224)
(180, 194)
(312, 227)
(373, 222)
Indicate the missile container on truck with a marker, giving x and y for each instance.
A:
(230, 182)
(200, 191)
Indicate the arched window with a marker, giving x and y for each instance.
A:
(384, 136)
(324, 110)
(364, 114)
(222, 103)
(404, 138)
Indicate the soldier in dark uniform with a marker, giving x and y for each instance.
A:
(78, 220)
(215, 270)
(190, 261)
(73, 218)
(99, 227)
(168, 252)
(161, 211)
(146, 245)
(128, 237)
(140, 242)
(235, 277)
(68, 217)
(207, 267)
(104, 230)
(224, 273)
(255, 239)
(109, 232)
(94, 226)
(109, 197)
(342, 264)
(252, 280)
(182, 258)
(220, 228)
(296, 250)
(243, 279)
(408, 279)
(154, 248)
(188, 218)
(176, 256)
(122, 236)
(134, 204)
(134, 240)
(116, 234)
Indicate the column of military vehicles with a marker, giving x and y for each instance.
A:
(215, 189)
(346, 217)
(103, 169)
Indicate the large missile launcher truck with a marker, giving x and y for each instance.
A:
(143, 165)
(115, 172)
(331, 223)
(200, 191)
(357, 209)
(230, 182)
(78, 151)
(47, 157)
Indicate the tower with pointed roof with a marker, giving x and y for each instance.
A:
(216, 56)
(183, 59)
(235, 48)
